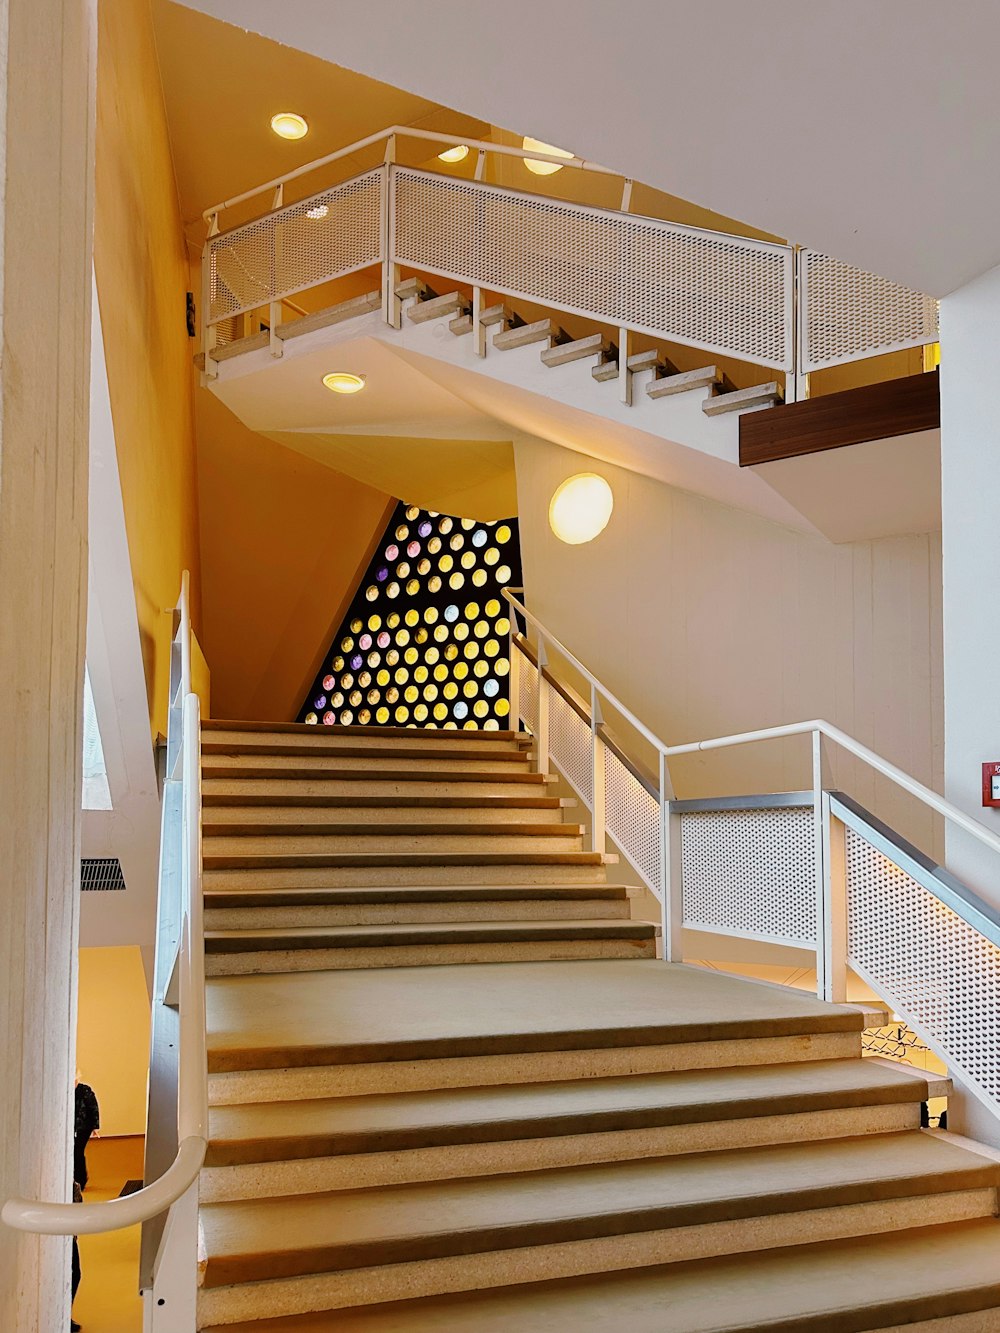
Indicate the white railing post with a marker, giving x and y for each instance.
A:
(833, 926)
(542, 730)
(671, 872)
(598, 781)
(514, 675)
(827, 968)
(209, 331)
(391, 305)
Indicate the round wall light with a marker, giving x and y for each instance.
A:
(342, 381)
(580, 508)
(457, 154)
(543, 168)
(289, 125)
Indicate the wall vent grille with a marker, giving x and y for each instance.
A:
(101, 873)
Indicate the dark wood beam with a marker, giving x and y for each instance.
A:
(874, 412)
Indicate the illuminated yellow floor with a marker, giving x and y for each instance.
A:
(108, 1299)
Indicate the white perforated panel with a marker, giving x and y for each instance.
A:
(632, 817)
(848, 313)
(720, 293)
(528, 689)
(327, 236)
(921, 957)
(569, 743)
(751, 873)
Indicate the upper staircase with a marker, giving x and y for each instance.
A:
(553, 1130)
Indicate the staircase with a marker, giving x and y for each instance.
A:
(453, 1089)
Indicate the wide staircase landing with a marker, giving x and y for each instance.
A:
(452, 1089)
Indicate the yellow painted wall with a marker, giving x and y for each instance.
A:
(112, 1042)
(284, 540)
(142, 278)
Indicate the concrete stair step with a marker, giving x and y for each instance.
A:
(326, 318)
(452, 303)
(460, 325)
(367, 1246)
(595, 344)
(579, 904)
(344, 1033)
(274, 840)
(938, 1279)
(373, 737)
(406, 870)
(739, 400)
(302, 948)
(281, 1148)
(423, 811)
(651, 360)
(522, 335)
(705, 378)
(431, 895)
(606, 368)
(414, 289)
(299, 785)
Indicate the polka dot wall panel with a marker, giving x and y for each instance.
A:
(425, 642)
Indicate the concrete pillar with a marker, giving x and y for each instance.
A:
(47, 66)
(970, 512)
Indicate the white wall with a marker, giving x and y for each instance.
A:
(707, 620)
(970, 506)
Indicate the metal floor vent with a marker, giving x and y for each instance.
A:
(101, 872)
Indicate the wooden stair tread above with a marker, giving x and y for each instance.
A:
(348, 750)
(383, 829)
(389, 936)
(424, 736)
(267, 1022)
(871, 1282)
(328, 1126)
(542, 330)
(400, 1224)
(595, 344)
(410, 893)
(451, 303)
(297, 860)
(386, 801)
(738, 400)
(210, 769)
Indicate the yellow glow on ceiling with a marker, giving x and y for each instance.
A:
(543, 168)
(289, 125)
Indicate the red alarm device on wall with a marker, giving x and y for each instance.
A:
(991, 784)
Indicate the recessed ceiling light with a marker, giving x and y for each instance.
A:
(543, 168)
(317, 211)
(342, 381)
(456, 154)
(289, 125)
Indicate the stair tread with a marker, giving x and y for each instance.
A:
(430, 932)
(334, 750)
(738, 398)
(387, 800)
(306, 860)
(324, 1127)
(231, 772)
(704, 377)
(409, 893)
(422, 735)
(402, 1223)
(843, 1286)
(472, 1009)
(326, 828)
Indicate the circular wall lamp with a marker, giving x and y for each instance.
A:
(543, 168)
(580, 508)
(342, 381)
(289, 125)
(457, 154)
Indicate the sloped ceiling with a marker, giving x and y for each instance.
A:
(867, 130)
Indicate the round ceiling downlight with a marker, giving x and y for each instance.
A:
(342, 381)
(289, 125)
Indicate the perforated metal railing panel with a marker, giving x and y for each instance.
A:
(569, 741)
(720, 293)
(847, 314)
(751, 873)
(633, 819)
(316, 240)
(936, 968)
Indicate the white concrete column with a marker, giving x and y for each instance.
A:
(970, 505)
(47, 66)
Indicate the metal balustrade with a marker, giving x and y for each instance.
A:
(808, 869)
(772, 305)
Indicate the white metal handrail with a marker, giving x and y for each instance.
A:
(67, 1219)
(806, 869)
